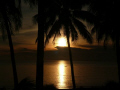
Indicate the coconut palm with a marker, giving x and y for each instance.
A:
(55, 14)
(59, 14)
(104, 23)
(106, 26)
(40, 41)
(40, 46)
(10, 20)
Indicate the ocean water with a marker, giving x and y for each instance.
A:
(86, 73)
(58, 72)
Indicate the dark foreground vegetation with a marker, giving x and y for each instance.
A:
(27, 84)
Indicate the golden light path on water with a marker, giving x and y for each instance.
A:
(61, 69)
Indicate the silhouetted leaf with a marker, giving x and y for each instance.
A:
(49, 23)
(82, 29)
(55, 29)
(85, 15)
(74, 33)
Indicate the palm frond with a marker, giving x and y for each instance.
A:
(9, 22)
(11, 27)
(56, 34)
(66, 29)
(74, 34)
(51, 9)
(100, 33)
(14, 15)
(82, 30)
(54, 30)
(49, 23)
(103, 31)
(85, 15)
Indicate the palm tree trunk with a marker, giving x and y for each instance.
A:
(118, 54)
(40, 47)
(40, 62)
(11, 50)
(71, 62)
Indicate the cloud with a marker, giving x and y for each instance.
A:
(28, 13)
(25, 38)
(28, 33)
(94, 54)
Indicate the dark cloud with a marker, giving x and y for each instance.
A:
(25, 38)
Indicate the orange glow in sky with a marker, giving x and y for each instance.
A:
(61, 42)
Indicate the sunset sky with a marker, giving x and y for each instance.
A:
(26, 36)
(93, 64)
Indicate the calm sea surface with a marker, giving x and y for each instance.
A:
(58, 72)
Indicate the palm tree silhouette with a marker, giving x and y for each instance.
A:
(106, 26)
(61, 14)
(40, 41)
(40, 46)
(104, 23)
(40, 49)
(50, 18)
(10, 20)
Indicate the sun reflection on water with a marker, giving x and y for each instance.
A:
(61, 74)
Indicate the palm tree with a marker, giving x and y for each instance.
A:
(39, 40)
(50, 18)
(63, 14)
(10, 20)
(40, 47)
(106, 26)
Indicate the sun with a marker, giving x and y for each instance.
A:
(61, 42)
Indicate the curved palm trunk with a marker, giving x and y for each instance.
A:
(40, 47)
(13, 60)
(11, 50)
(118, 54)
(40, 60)
(71, 62)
